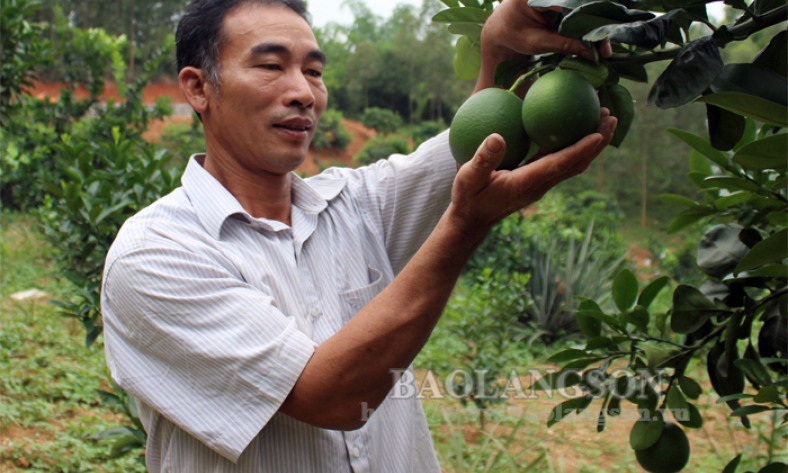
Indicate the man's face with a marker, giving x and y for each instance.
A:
(271, 92)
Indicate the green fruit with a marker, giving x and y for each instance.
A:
(560, 108)
(669, 454)
(485, 112)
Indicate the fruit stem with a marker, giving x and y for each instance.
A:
(528, 76)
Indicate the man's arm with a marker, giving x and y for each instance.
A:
(354, 366)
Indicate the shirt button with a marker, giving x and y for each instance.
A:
(356, 453)
(314, 312)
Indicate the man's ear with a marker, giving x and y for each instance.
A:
(194, 83)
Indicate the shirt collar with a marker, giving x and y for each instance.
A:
(214, 204)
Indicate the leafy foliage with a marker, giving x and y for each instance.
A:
(740, 172)
(381, 120)
(331, 132)
(381, 147)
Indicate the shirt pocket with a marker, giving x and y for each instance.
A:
(354, 300)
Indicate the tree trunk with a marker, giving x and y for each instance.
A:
(131, 43)
(643, 152)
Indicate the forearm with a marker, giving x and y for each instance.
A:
(355, 365)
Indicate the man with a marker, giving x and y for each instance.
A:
(256, 317)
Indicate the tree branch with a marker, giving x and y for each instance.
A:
(736, 33)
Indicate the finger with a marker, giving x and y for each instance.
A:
(560, 165)
(475, 174)
(544, 41)
(604, 112)
(606, 49)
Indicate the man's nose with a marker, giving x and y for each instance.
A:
(299, 92)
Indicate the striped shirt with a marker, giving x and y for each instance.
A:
(210, 314)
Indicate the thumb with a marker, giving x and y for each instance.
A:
(477, 171)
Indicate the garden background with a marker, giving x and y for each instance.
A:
(93, 128)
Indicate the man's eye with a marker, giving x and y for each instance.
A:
(271, 67)
(314, 73)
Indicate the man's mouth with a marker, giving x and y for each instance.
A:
(295, 124)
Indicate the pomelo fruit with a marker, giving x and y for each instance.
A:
(560, 108)
(669, 454)
(485, 112)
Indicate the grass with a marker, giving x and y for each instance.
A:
(48, 403)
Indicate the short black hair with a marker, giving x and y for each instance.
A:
(198, 38)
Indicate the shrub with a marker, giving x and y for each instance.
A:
(381, 148)
(183, 140)
(381, 120)
(426, 130)
(331, 132)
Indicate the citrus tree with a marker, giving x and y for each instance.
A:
(736, 322)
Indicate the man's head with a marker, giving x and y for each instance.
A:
(198, 38)
(253, 70)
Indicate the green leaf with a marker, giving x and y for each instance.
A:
(720, 250)
(622, 106)
(690, 387)
(570, 4)
(467, 59)
(645, 433)
(562, 410)
(734, 397)
(778, 218)
(124, 445)
(691, 309)
(725, 128)
(750, 106)
(766, 153)
(776, 467)
(471, 30)
(732, 465)
(749, 410)
(690, 73)
(651, 291)
(735, 184)
(111, 433)
(688, 217)
(625, 290)
(775, 55)
(658, 355)
(461, 15)
(703, 146)
(755, 370)
(507, 72)
(770, 271)
(676, 400)
(451, 3)
(690, 417)
(567, 355)
(590, 16)
(732, 200)
(753, 80)
(674, 199)
(639, 317)
(646, 34)
(766, 395)
(631, 71)
(594, 73)
(600, 342)
(770, 250)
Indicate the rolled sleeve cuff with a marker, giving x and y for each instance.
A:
(260, 398)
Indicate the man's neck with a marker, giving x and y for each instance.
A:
(262, 194)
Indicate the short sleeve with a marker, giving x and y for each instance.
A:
(406, 195)
(207, 351)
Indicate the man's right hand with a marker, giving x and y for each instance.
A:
(483, 196)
